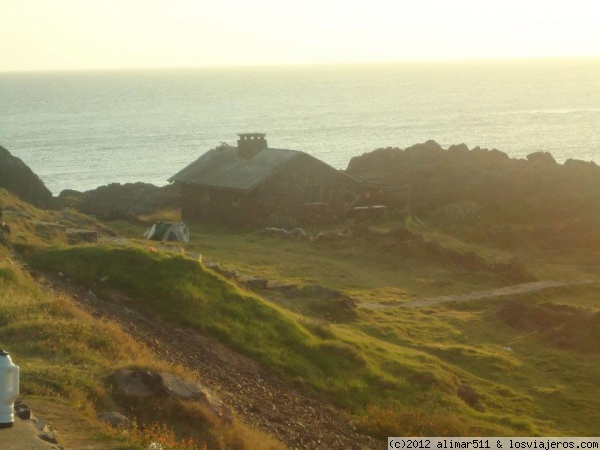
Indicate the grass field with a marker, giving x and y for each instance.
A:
(453, 369)
(66, 355)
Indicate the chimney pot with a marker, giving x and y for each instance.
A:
(249, 144)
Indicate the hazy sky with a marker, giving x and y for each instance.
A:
(90, 34)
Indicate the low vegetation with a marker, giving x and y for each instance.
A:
(524, 364)
(66, 357)
(178, 289)
(449, 370)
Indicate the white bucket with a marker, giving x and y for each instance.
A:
(9, 389)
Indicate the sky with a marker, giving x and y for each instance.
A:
(114, 34)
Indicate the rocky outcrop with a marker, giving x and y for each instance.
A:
(18, 178)
(541, 157)
(438, 177)
(324, 302)
(122, 201)
(150, 384)
(481, 188)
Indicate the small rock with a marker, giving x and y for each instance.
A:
(133, 384)
(42, 426)
(149, 384)
(255, 283)
(115, 419)
(48, 437)
(22, 411)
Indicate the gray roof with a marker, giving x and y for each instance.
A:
(222, 167)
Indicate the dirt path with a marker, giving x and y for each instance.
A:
(482, 295)
(259, 398)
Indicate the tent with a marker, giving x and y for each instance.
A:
(168, 231)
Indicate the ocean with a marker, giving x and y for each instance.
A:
(80, 130)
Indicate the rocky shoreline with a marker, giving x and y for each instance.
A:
(442, 181)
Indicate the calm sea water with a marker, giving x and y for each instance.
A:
(80, 130)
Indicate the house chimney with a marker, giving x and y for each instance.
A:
(249, 144)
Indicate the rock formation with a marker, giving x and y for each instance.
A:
(18, 178)
(150, 384)
(121, 201)
(536, 193)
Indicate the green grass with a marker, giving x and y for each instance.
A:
(410, 361)
(361, 270)
(61, 352)
(181, 291)
(66, 356)
(417, 358)
(554, 379)
(34, 227)
(398, 370)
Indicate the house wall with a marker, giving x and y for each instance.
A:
(306, 192)
(209, 205)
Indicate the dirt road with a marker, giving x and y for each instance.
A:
(482, 295)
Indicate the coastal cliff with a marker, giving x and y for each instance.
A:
(491, 193)
(18, 178)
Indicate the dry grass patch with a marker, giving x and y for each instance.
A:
(66, 355)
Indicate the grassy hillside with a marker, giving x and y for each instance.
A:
(180, 290)
(31, 226)
(438, 370)
(452, 369)
(523, 376)
(66, 355)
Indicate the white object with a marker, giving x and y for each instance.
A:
(9, 389)
(168, 231)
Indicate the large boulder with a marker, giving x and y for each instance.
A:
(18, 178)
(149, 384)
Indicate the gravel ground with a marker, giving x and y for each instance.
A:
(259, 398)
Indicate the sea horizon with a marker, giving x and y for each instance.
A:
(333, 64)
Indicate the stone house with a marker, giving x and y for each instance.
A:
(253, 184)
